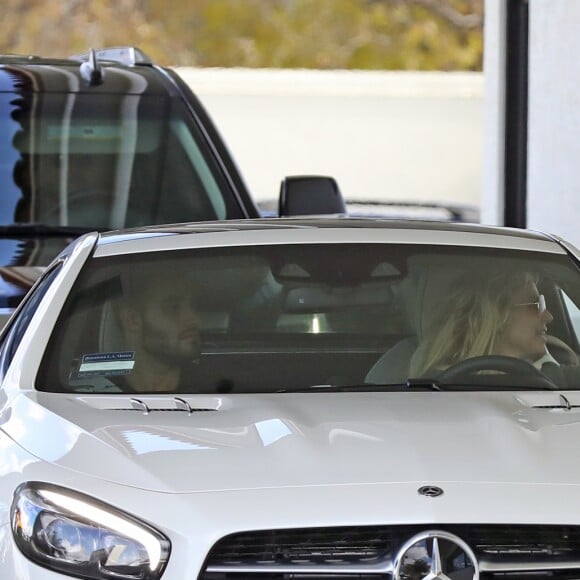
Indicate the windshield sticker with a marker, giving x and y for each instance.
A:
(106, 364)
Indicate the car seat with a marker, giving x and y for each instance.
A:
(418, 293)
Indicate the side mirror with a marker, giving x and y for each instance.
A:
(310, 195)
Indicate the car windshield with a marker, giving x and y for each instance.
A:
(285, 317)
(101, 161)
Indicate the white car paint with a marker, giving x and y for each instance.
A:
(304, 440)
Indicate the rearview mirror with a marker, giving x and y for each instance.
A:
(310, 195)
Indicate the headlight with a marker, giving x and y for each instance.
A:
(77, 535)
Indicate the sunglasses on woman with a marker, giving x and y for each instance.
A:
(540, 304)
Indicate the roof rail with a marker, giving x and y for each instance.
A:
(129, 55)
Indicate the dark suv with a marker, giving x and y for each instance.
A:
(102, 141)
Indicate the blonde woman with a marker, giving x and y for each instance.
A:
(493, 314)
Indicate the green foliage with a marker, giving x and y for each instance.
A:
(325, 34)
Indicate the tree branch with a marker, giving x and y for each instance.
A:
(445, 10)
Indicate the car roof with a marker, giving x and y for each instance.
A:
(57, 75)
(320, 230)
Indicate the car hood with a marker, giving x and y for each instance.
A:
(307, 439)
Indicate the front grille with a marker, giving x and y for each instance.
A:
(314, 546)
(516, 552)
(528, 541)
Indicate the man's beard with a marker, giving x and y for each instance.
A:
(155, 343)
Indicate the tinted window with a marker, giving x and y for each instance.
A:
(266, 318)
(106, 161)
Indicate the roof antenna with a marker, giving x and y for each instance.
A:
(91, 71)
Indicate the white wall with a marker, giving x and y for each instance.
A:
(554, 118)
(492, 202)
(383, 135)
(553, 184)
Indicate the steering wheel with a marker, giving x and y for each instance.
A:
(467, 370)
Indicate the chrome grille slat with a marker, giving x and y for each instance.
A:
(383, 568)
(535, 566)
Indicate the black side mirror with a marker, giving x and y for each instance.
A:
(310, 195)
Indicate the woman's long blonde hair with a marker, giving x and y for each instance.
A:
(470, 319)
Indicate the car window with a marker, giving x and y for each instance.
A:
(574, 314)
(13, 333)
(276, 317)
(108, 161)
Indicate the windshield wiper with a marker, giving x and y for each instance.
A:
(426, 384)
(43, 230)
(362, 388)
(417, 384)
(422, 384)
